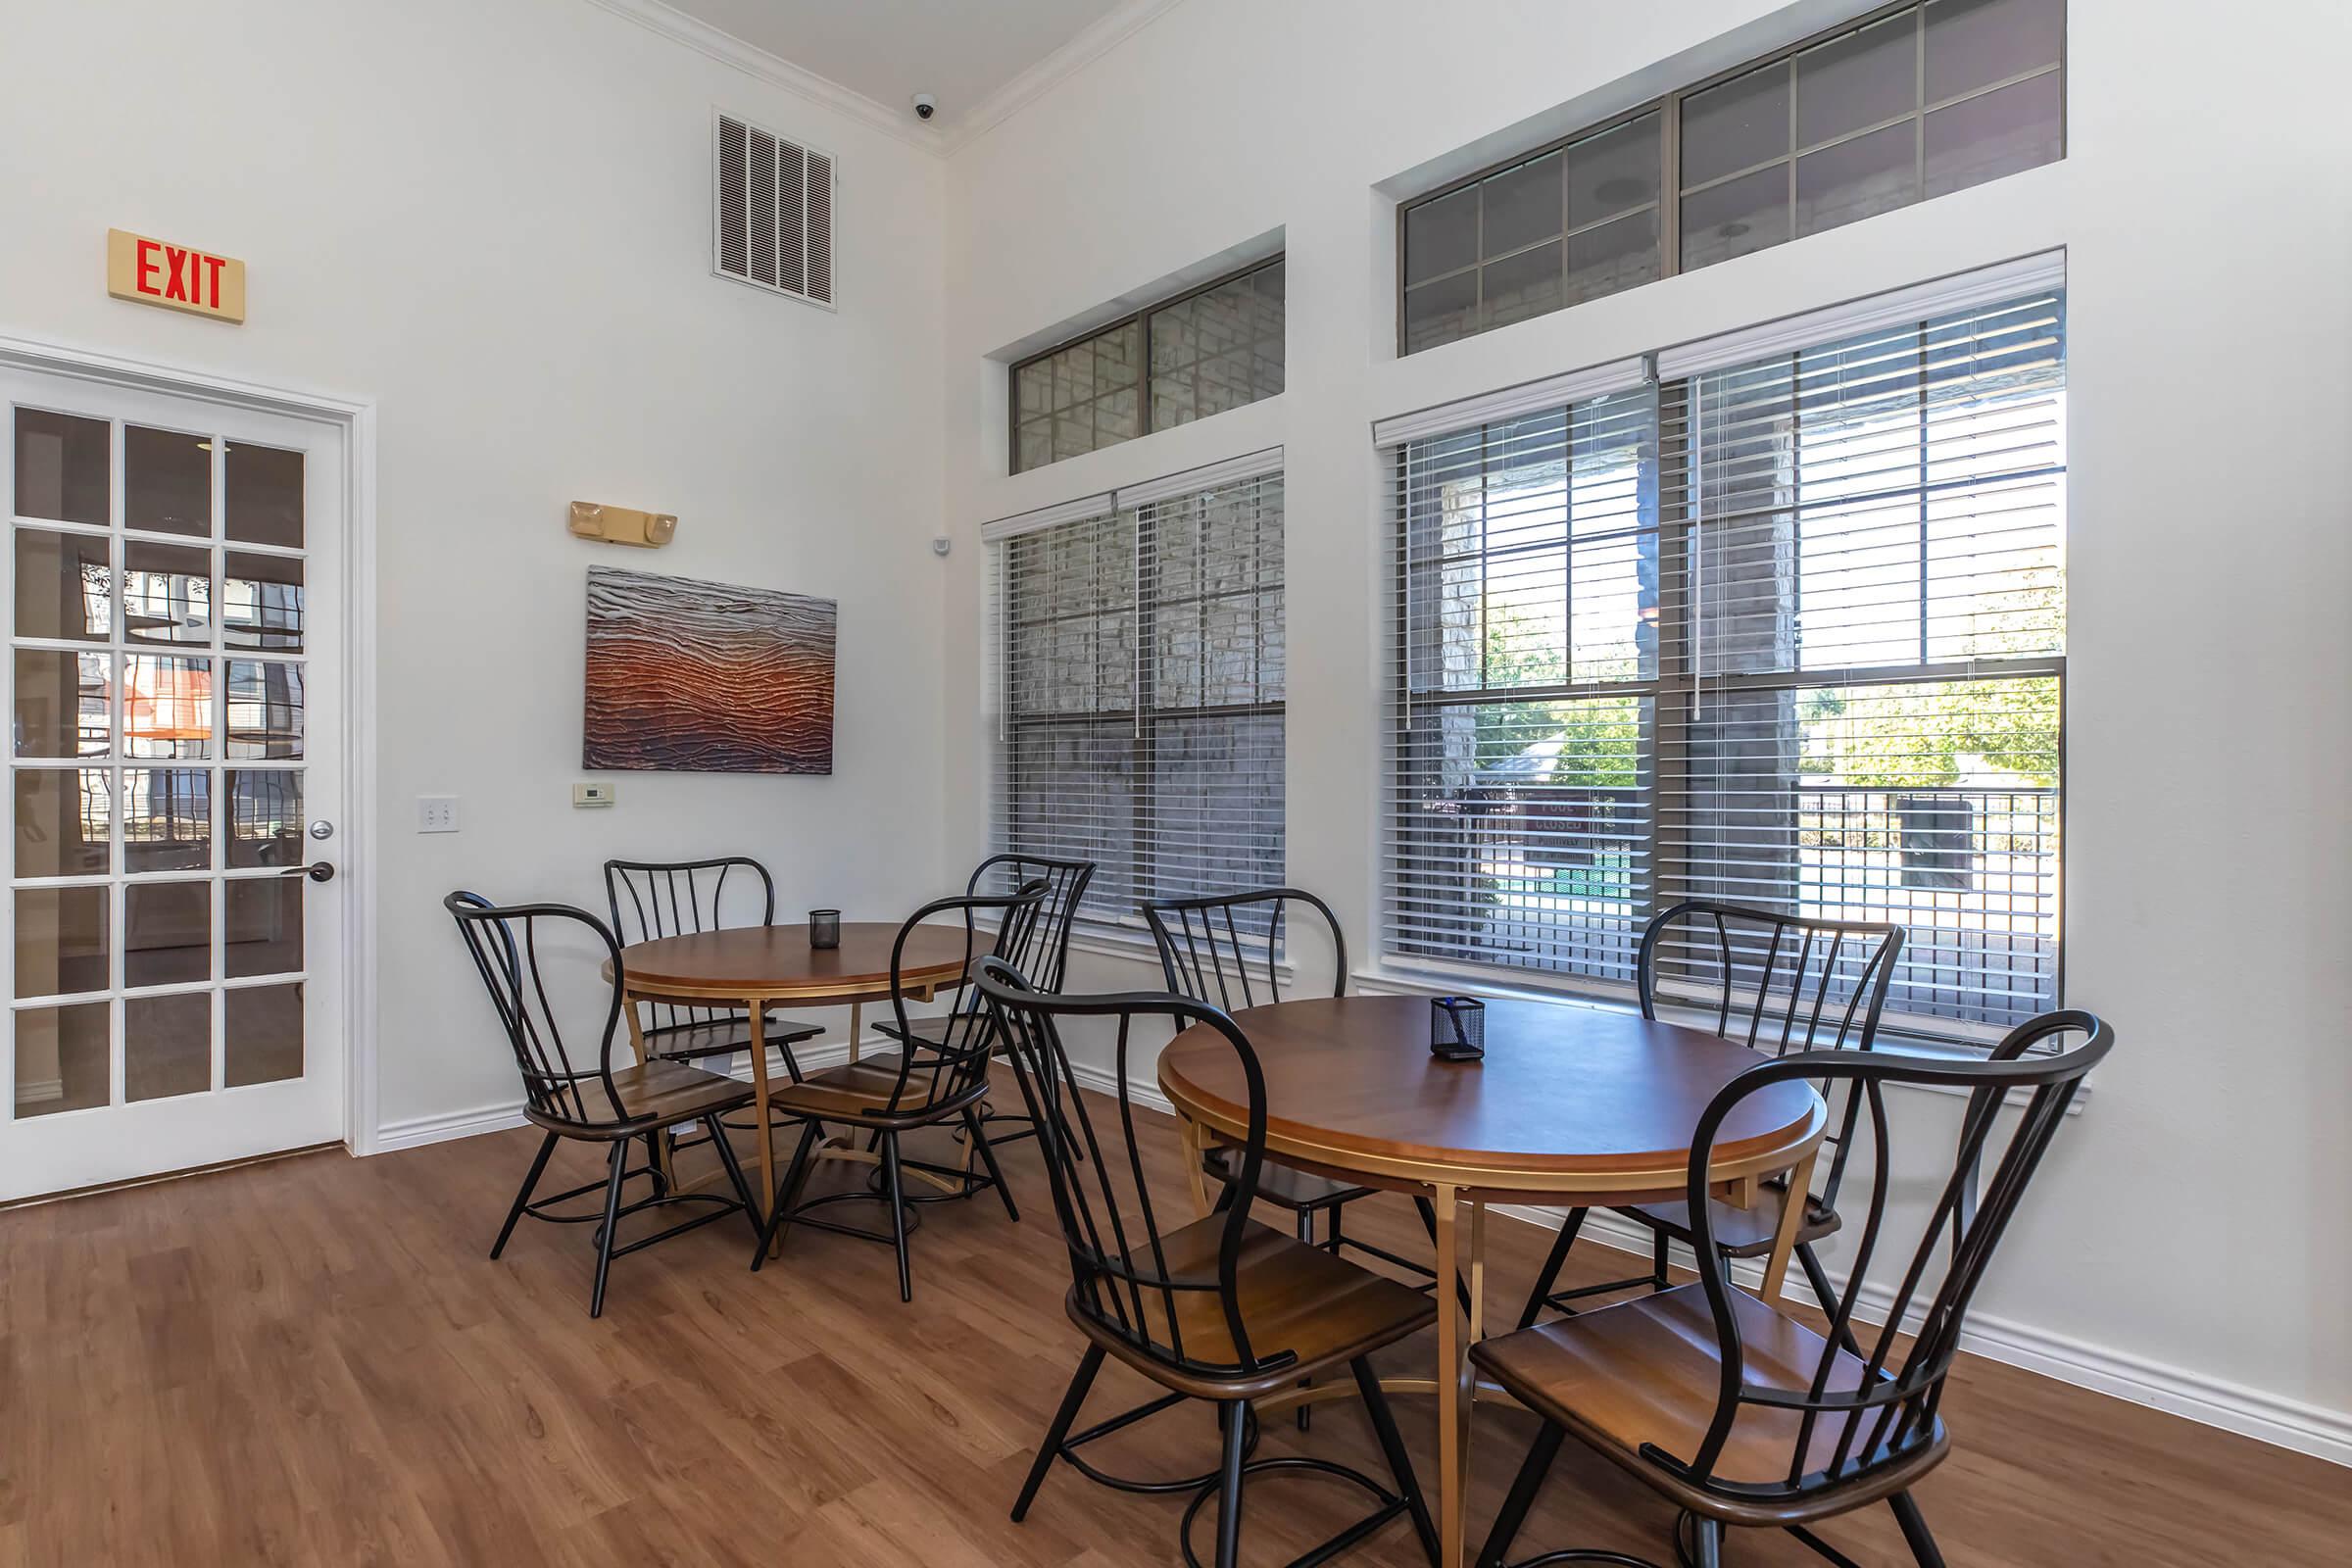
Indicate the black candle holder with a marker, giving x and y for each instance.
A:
(1457, 1028)
(825, 929)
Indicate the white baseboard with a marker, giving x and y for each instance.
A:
(2211, 1401)
(418, 1130)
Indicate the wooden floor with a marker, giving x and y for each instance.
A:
(313, 1362)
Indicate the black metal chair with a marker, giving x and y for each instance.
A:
(935, 1078)
(1776, 982)
(1742, 1415)
(1222, 1309)
(1226, 949)
(652, 899)
(600, 1104)
(1045, 957)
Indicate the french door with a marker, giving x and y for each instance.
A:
(173, 579)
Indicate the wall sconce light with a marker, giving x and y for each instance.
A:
(619, 525)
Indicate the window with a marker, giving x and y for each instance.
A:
(1786, 630)
(1906, 104)
(1139, 648)
(1202, 353)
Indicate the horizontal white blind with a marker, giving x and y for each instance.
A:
(1140, 663)
(1788, 633)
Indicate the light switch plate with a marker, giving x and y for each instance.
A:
(436, 813)
(585, 794)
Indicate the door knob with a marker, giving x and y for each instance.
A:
(317, 870)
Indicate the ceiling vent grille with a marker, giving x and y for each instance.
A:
(771, 213)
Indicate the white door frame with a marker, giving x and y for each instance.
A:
(355, 418)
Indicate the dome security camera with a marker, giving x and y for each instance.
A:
(925, 106)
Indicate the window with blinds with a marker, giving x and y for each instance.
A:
(1787, 631)
(1140, 687)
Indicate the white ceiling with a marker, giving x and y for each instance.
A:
(960, 51)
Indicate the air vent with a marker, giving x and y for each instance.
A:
(771, 213)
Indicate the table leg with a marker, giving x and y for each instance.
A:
(856, 1026)
(1196, 1148)
(1452, 1369)
(1792, 1217)
(767, 1133)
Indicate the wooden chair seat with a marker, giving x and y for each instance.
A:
(1285, 1188)
(1649, 1372)
(1739, 1232)
(1292, 1297)
(720, 1036)
(853, 1089)
(656, 1093)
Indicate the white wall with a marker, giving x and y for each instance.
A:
(493, 221)
(2193, 1230)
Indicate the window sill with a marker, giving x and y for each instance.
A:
(1465, 980)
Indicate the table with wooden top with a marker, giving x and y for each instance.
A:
(754, 967)
(1571, 1107)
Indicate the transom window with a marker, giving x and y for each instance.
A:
(1216, 348)
(1906, 104)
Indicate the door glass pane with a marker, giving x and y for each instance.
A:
(1861, 80)
(166, 706)
(166, 819)
(166, 933)
(166, 1045)
(265, 709)
(61, 1056)
(61, 821)
(1735, 217)
(60, 941)
(262, 603)
(2002, 133)
(166, 481)
(1736, 126)
(62, 467)
(1974, 43)
(264, 496)
(167, 593)
(264, 1026)
(61, 704)
(63, 586)
(265, 817)
(1859, 178)
(264, 925)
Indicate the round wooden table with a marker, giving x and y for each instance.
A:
(757, 967)
(1571, 1107)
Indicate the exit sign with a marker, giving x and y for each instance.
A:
(178, 277)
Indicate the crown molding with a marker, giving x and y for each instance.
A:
(1098, 39)
(753, 61)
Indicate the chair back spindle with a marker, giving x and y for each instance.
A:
(1227, 949)
(1855, 1413)
(1176, 1304)
(1779, 984)
(1045, 957)
(561, 1086)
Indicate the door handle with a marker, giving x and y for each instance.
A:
(317, 870)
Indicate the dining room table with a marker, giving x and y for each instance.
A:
(762, 966)
(1569, 1108)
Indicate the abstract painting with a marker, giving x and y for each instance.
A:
(701, 677)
